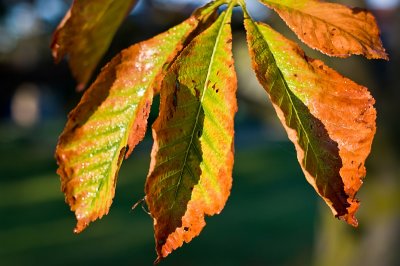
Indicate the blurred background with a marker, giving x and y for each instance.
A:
(273, 216)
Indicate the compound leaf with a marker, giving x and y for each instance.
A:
(329, 118)
(86, 32)
(333, 29)
(111, 119)
(192, 157)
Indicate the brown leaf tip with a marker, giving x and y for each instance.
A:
(349, 217)
(158, 260)
(81, 225)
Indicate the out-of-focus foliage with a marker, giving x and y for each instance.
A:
(86, 32)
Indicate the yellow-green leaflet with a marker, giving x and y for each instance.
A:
(192, 158)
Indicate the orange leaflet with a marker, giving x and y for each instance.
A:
(333, 29)
(329, 118)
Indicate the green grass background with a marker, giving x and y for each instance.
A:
(268, 219)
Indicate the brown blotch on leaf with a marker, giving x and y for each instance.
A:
(197, 91)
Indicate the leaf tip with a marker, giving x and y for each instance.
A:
(78, 229)
(158, 260)
(81, 224)
(384, 55)
(352, 220)
(350, 217)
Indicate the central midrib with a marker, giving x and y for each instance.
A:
(201, 100)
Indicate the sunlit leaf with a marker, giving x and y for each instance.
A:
(329, 118)
(111, 119)
(332, 28)
(192, 157)
(86, 32)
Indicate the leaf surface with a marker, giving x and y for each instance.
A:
(86, 32)
(329, 118)
(111, 119)
(331, 28)
(192, 157)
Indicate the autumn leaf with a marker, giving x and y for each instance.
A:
(192, 157)
(111, 119)
(333, 29)
(329, 118)
(86, 32)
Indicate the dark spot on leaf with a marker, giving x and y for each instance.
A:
(175, 99)
(359, 166)
(74, 127)
(321, 67)
(73, 199)
(229, 41)
(186, 228)
(295, 75)
(197, 93)
(363, 111)
(217, 90)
